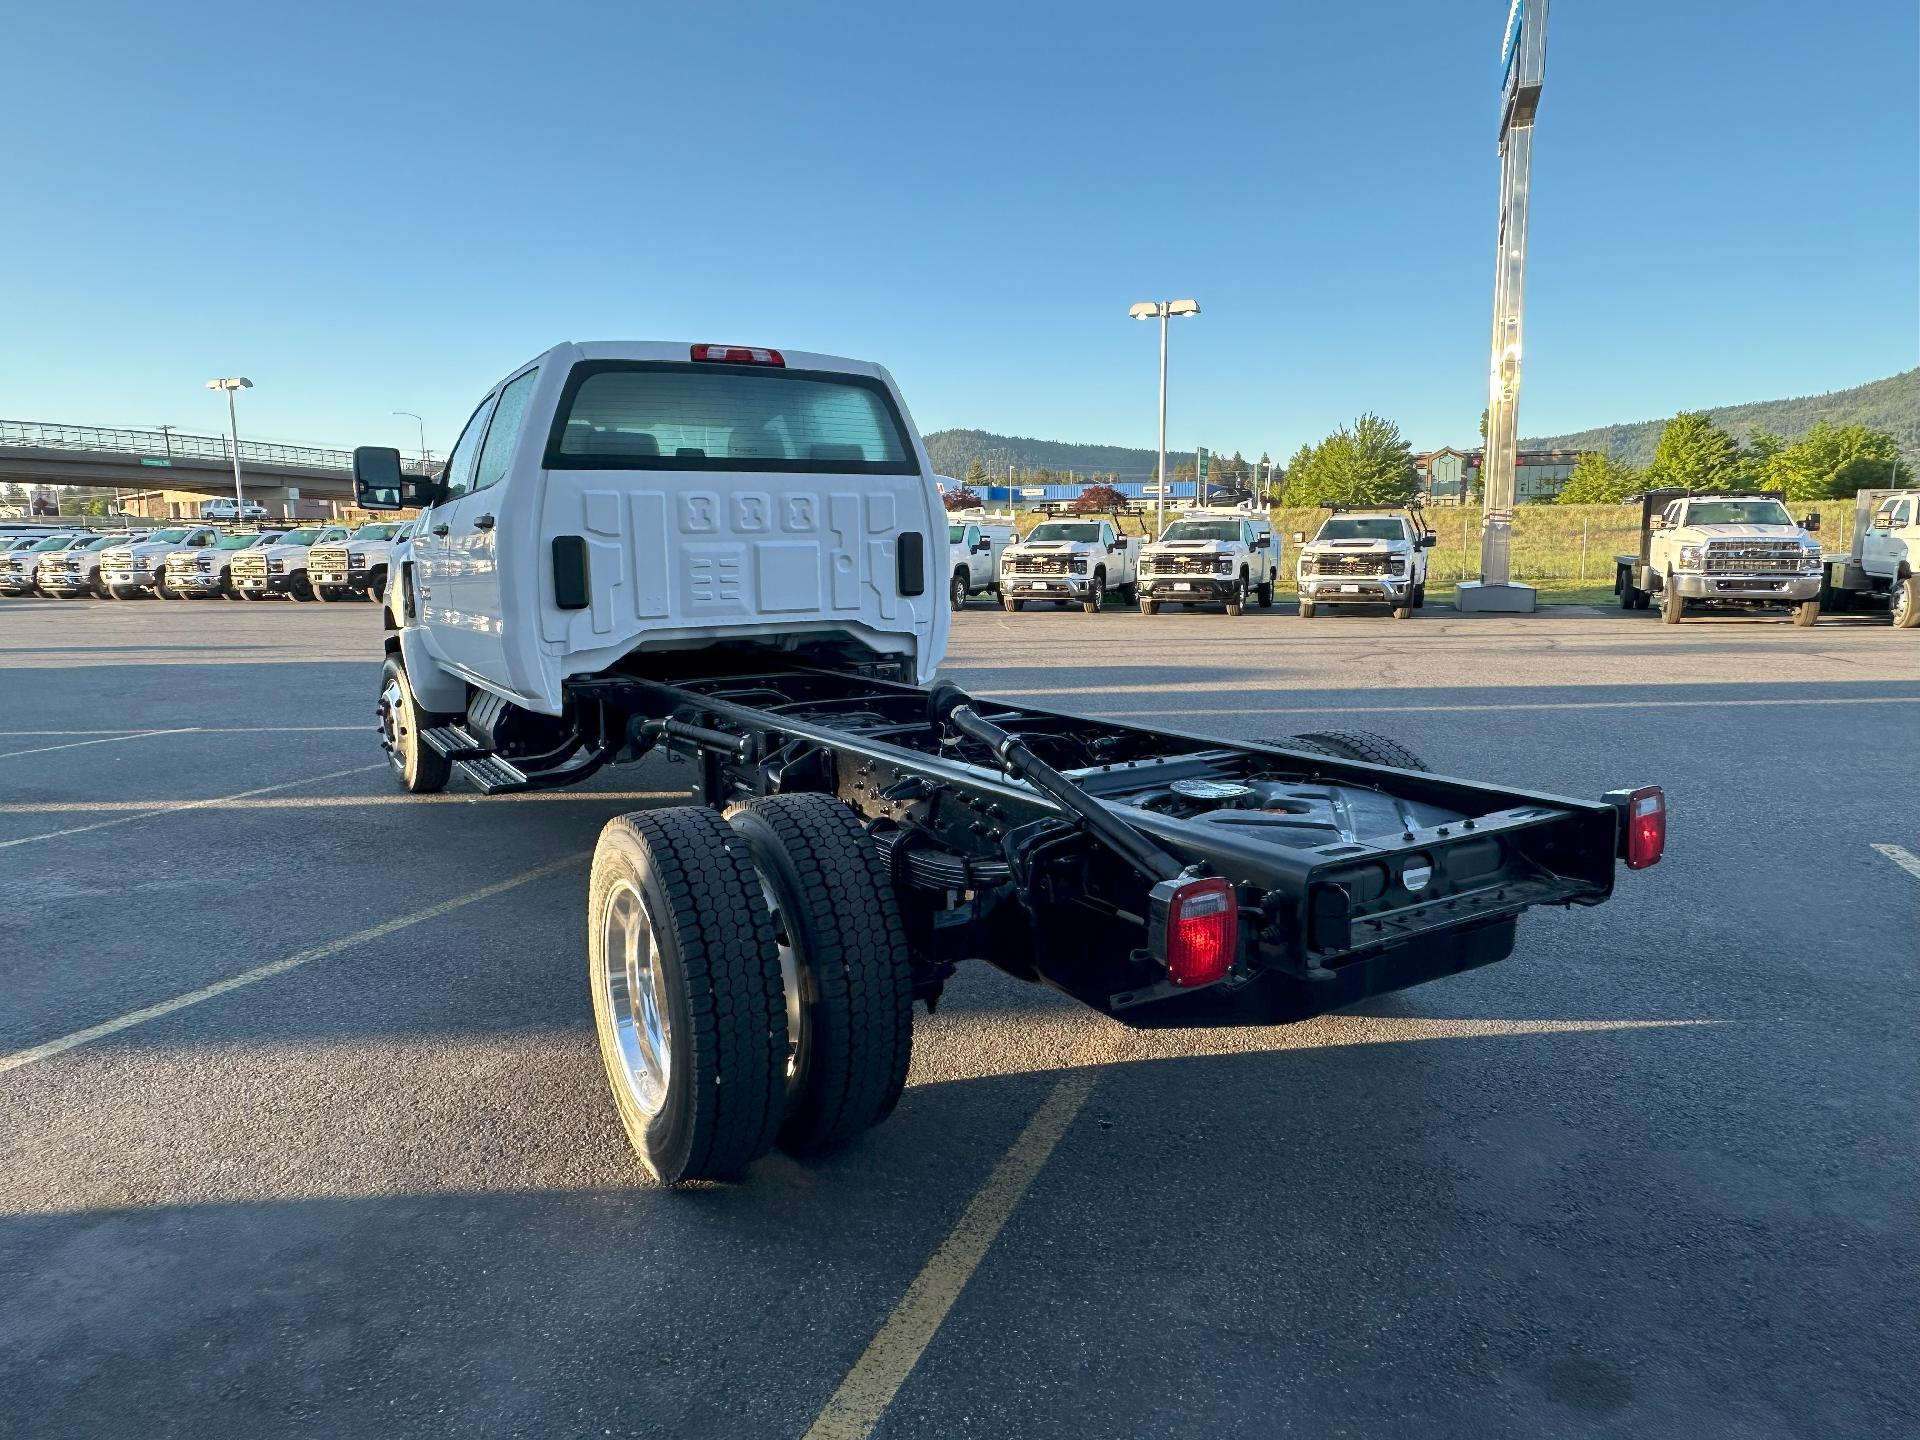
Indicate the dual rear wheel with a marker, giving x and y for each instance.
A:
(751, 982)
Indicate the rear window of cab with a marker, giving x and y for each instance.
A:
(661, 415)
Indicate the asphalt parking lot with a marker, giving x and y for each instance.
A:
(1654, 1175)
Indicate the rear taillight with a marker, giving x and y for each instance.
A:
(1646, 817)
(1196, 926)
(737, 355)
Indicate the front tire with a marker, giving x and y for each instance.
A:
(1097, 595)
(1807, 613)
(1149, 607)
(326, 594)
(301, 589)
(1306, 609)
(1011, 605)
(957, 591)
(1673, 605)
(845, 970)
(1906, 602)
(687, 1000)
(1237, 598)
(420, 769)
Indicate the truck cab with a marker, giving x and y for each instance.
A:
(1730, 552)
(1365, 557)
(1214, 555)
(1073, 560)
(976, 540)
(609, 502)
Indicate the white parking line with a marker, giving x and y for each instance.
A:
(194, 729)
(330, 802)
(103, 740)
(1477, 709)
(185, 805)
(276, 967)
(1903, 857)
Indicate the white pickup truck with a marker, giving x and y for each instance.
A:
(1077, 561)
(975, 542)
(1883, 564)
(356, 566)
(727, 554)
(208, 572)
(1730, 552)
(1211, 556)
(71, 573)
(20, 567)
(1365, 557)
(128, 570)
(281, 568)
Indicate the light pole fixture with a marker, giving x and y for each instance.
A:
(231, 384)
(425, 461)
(1161, 310)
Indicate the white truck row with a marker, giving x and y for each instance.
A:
(188, 561)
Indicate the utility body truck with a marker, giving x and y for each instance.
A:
(1883, 566)
(1365, 557)
(975, 542)
(132, 569)
(1213, 555)
(1728, 552)
(728, 554)
(1073, 559)
(281, 568)
(356, 567)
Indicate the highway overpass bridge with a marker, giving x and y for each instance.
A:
(34, 452)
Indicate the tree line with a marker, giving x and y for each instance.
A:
(1829, 462)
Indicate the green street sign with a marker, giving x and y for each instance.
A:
(154, 460)
(1200, 467)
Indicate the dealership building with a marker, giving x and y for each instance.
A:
(1447, 476)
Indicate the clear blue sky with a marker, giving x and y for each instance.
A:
(369, 208)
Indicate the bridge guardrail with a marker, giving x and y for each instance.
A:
(160, 444)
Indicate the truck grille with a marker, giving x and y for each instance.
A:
(1359, 564)
(327, 557)
(1755, 557)
(1180, 564)
(1041, 565)
(252, 567)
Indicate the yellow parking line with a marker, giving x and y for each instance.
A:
(185, 805)
(1901, 856)
(102, 740)
(329, 802)
(276, 967)
(876, 1377)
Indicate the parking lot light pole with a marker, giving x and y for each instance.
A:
(230, 385)
(425, 464)
(1161, 310)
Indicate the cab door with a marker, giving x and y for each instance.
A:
(477, 638)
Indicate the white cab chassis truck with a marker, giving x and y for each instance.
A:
(354, 568)
(1211, 556)
(1725, 552)
(207, 573)
(729, 554)
(1883, 566)
(74, 572)
(139, 567)
(1365, 557)
(975, 542)
(281, 568)
(1072, 559)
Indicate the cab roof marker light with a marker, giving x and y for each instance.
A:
(738, 355)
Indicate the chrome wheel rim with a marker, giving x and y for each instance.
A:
(635, 996)
(393, 724)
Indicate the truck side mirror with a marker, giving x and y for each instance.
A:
(1264, 542)
(1429, 540)
(1812, 522)
(378, 483)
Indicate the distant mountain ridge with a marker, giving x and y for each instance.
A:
(1892, 405)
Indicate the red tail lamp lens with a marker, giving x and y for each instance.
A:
(1646, 827)
(1203, 932)
(738, 355)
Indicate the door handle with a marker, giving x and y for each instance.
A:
(483, 522)
(440, 530)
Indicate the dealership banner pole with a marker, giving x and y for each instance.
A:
(1523, 56)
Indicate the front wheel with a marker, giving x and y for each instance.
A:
(302, 588)
(1306, 609)
(1149, 607)
(1673, 605)
(1237, 597)
(420, 769)
(957, 591)
(1806, 613)
(687, 999)
(1096, 596)
(1907, 601)
(377, 587)
(1403, 612)
(844, 965)
(1011, 605)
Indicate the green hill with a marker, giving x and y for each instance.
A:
(953, 451)
(1892, 405)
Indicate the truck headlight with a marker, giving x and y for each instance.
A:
(1692, 557)
(1077, 565)
(1223, 564)
(277, 567)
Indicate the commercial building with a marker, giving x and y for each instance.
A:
(1451, 477)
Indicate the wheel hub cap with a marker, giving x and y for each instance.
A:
(636, 999)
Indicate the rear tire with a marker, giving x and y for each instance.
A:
(1906, 602)
(1629, 596)
(1420, 596)
(1365, 745)
(686, 993)
(846, 973)
(420, 769)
